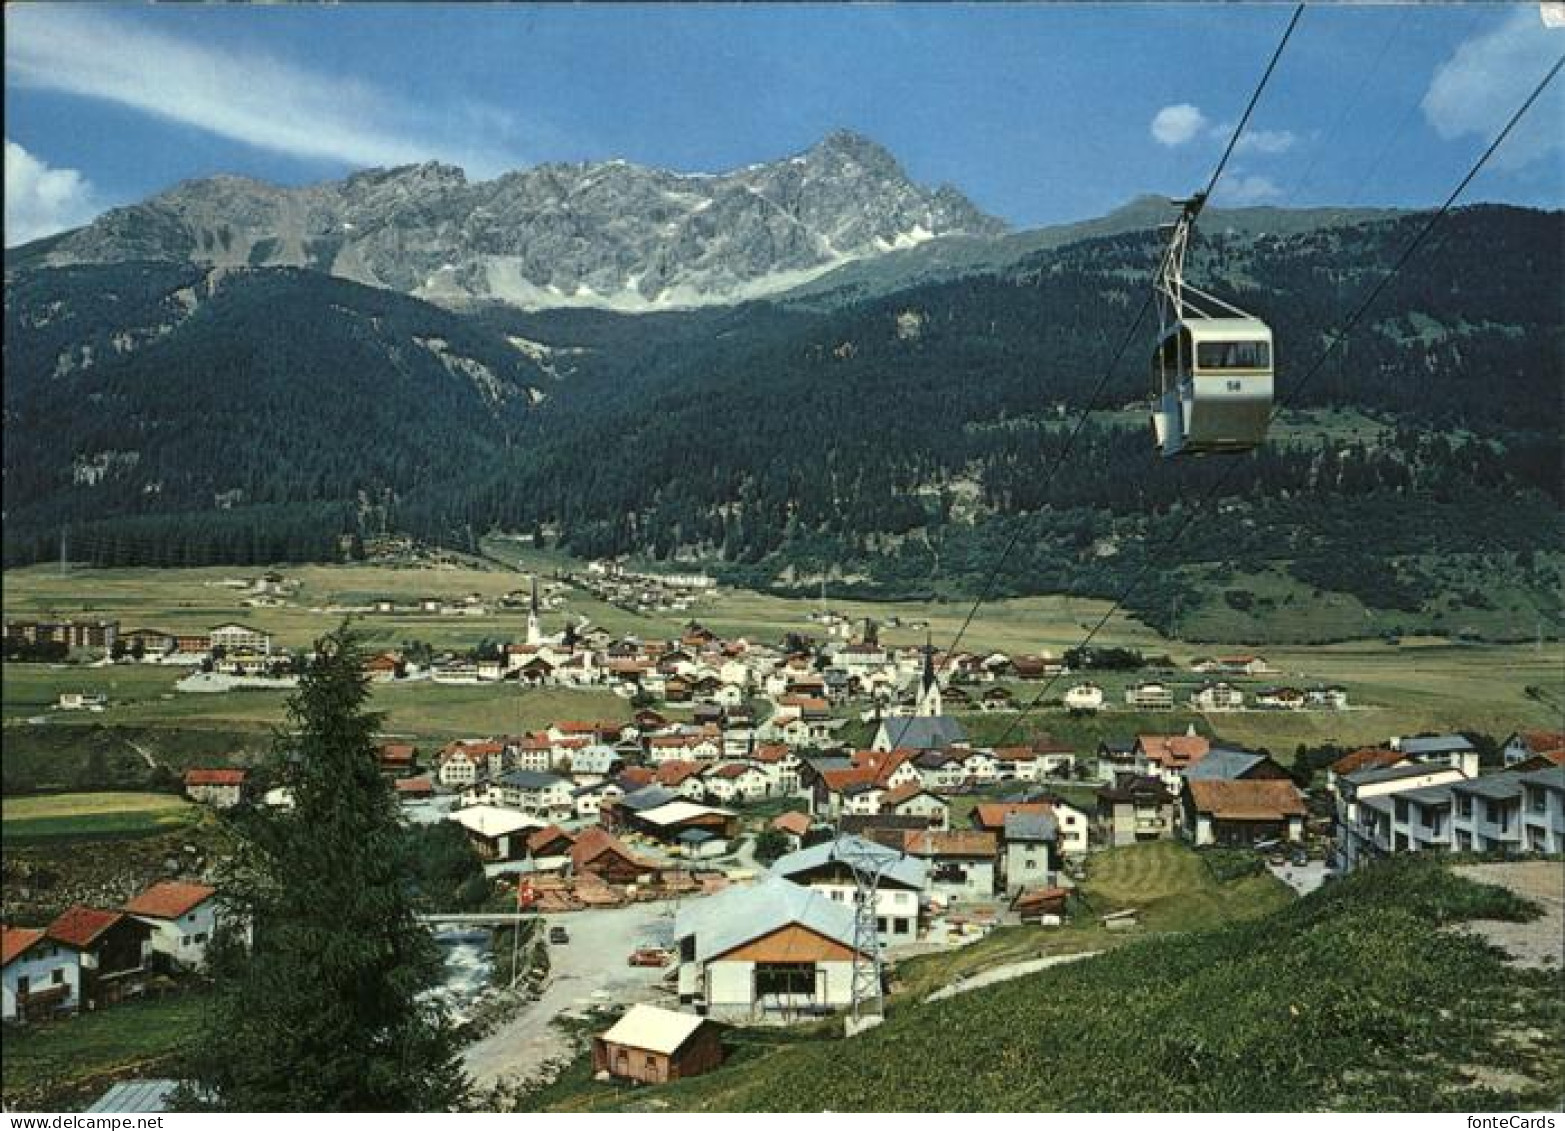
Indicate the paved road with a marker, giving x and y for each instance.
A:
(588, 971)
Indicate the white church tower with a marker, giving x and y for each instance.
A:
(929, 704)
(534, 626)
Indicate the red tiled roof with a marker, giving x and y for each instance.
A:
(1369, 758)
(992, 815)
(593, 842)
(638, 775)
(414, 785)
(1247, 800)
(1543, 741)
(904, 792)
(770, 752)
(80, 926)
(547, 836)
(796, 823)
(397, 751)
(170, 900)
(216, 777)
(929, 843)
(676, 771)
(1174, 751)
(15, 941)
(730, 770)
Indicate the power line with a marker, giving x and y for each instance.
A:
(1337, 337)
(1092, 398)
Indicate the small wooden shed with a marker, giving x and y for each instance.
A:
(653, 1046)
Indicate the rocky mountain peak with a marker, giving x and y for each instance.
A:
(609, 234)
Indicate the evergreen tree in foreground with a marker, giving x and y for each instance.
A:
(324, 1012)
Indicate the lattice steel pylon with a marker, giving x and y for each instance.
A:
(868, 862)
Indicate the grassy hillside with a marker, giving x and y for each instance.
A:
(102, 816)
(1173, 887)
(1351, 999)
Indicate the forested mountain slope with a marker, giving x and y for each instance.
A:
(895, 442)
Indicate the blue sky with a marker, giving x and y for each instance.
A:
(1041, 114)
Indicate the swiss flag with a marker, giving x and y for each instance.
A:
(525, 895)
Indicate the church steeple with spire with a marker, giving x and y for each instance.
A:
(929, 703)
(534, 626)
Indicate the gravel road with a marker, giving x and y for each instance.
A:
(588, 971)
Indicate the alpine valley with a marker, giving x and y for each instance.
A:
(803, 368)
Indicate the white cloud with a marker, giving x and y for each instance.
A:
(1237, 190)
(244, 96)
(40, 201)
(1174, 125)
(1479, 87)
(1264, 141)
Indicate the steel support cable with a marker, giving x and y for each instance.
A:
(987, 590)
(1337, 337)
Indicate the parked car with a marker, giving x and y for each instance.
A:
(649, 956)
(559, 936)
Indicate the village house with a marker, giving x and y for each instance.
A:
(735, 782)
(1280, 699)
(458, 766)
(112, 947)
(649, 1045)
(1329, 698)
(1243, 812)
(940, 771)
(1486, 814)
(1223, 763)
(772, 952)
(1217, 697)
(682, 778)
(542, 795)
(397, 759)
(1365, 807)
(1525, 745)
(219, 788)
(550, 848)
(40, 978)
(1135, 809)
(240, 638)
(1084, 697)
(1168, 756)
(1030, 855)
(1149, 696)
(826, 868)
(1543, 810)
(793, 826)
(1072, 827)
(183, 918)
(779, 763)
(961, 864)
(601, 853)
(1440, 749)
(913, 799)
(496, 834)
(589, 799)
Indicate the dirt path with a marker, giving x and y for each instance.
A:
(1540, 942)
(590, 970)
(1006, 973)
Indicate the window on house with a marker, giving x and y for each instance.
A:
(1535, 800)
(784, 978)
(1464, 805)
(23, 984)
(57, 977)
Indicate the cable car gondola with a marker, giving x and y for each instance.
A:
(1212, 367)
